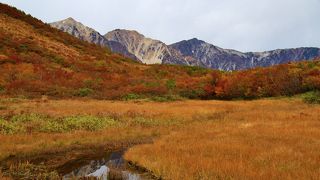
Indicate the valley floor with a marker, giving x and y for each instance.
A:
(261, 139)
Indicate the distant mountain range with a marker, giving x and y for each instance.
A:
(192, 52)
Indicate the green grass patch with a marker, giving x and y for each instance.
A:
(312, 97)
(9, 128)
(29, 123)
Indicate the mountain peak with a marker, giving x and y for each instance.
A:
(80, 31)
(70, 19)
(195, 41)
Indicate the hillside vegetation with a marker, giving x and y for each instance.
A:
(36, 60)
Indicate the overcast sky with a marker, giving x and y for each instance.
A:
(246, 25)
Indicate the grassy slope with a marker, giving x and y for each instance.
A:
(36, 59)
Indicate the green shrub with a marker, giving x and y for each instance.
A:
(58, 60)
(193, 94)
(23, 48)
(83, 92)
(2, 89)
(131, 96)
(171, 84)
(196, 70)
(152, 84)
(312, 97)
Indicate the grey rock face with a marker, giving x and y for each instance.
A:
(85, 33)
(149, 51)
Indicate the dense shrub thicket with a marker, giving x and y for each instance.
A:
(281, 80)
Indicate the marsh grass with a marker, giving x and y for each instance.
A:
(264, 139)
(259, 139)
(32, 123)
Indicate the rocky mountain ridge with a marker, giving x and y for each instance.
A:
(191, 52)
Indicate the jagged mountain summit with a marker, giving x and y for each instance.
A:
(88, 34)
(191, 52)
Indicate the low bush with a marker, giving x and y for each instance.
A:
(131, 96)
(83, 92)
(192, 94)
(312, 97)
(171, 85)
(2, 89)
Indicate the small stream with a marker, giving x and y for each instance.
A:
(113, 166)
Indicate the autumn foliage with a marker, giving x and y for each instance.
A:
(36, 60)
(281, 80)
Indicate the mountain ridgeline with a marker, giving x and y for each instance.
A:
(192, 52)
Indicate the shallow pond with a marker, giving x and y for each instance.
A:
(112, 166)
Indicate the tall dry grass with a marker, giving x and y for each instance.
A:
(265, 139)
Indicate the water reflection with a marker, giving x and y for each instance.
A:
(111, 167)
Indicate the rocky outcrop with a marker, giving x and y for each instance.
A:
(85, 33)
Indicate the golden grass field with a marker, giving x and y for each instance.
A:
(261, 139)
